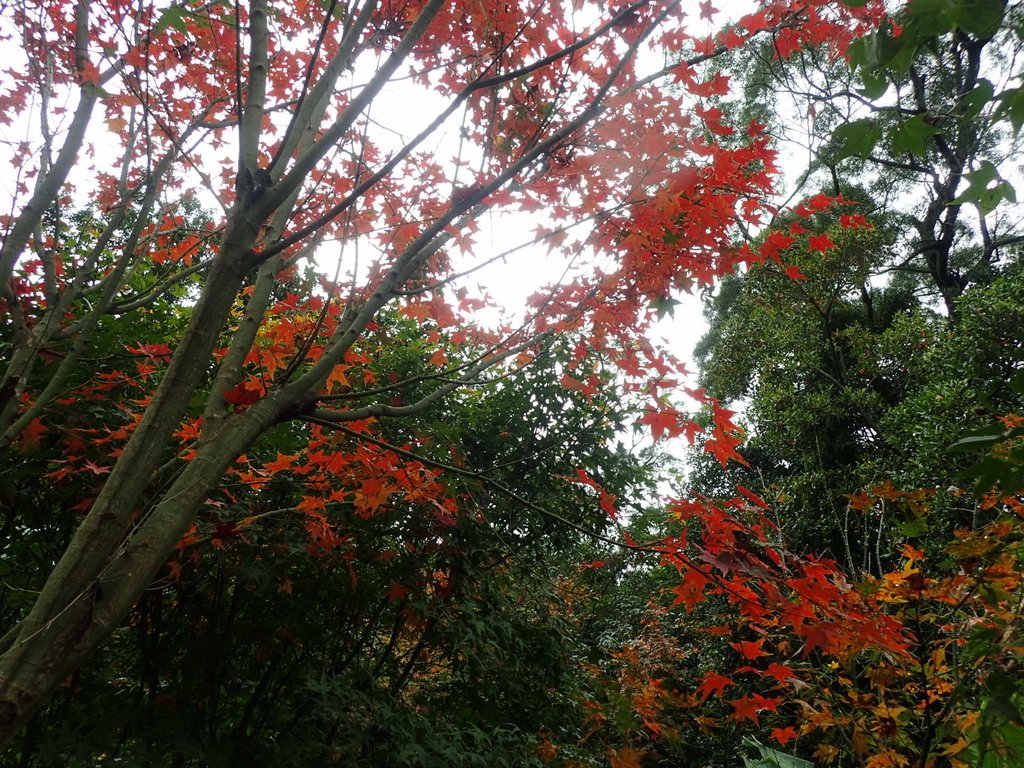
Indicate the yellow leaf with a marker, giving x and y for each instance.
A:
(117, 124)
(956, 747)
(888, 711)
(888, 758)
(826, 753)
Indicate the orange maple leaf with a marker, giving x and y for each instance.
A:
(282, 462)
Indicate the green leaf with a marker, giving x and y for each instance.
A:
(979, 17)
(664, 305)
(976, 443)
(1003, 687)
(875, 52)
(875, 84)
(857, 138)
(928, 18)
(931, 18)
(972, 104)
(172, 17)
(913, 528)
(858, 54)
(1016, 383)
(1011, 105)
(912, 136)
(772, 758)
(990, 474)
(981, 192)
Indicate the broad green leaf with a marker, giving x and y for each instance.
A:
(856, 139)
(173, 16)
(904, 55)
(1011, 105)
(858, 54)
(875, 53)
(912, 136)
(977, 442)
(875, 84)
(974, 103)
(890, 47)
(772, 758)
(979, 17)
(928, 18)
(980, 189)
(992, 473)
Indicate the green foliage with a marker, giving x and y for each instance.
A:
(414, 643)
(856, 138)
(986, 189)
(772, 758)
(846, 384)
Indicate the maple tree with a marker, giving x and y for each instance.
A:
(258, 643)
(205, 428)
(269, 111)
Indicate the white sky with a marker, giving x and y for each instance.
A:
(404, 108)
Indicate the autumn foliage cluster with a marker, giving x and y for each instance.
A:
(283, 482)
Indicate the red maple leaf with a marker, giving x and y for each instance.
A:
(32, 435)
(691, 591)
(396, 592)
(707, 10)
(774, 244)
(824, 635)
(780, 672)
(719, 630)
(723, 448)
(713, 683)
(821, 202)
(662, 421)
(746, 708)
(752, 497)
(782, 735)
(820, 243)
(750, 649)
